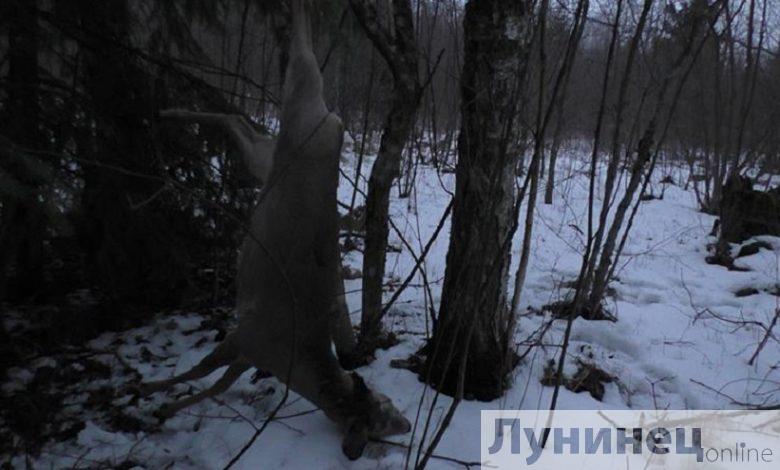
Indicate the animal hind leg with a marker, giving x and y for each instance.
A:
(228, 378)
(225, 354)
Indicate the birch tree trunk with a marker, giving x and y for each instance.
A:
(469, 338)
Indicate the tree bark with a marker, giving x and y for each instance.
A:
(474, 312)
(384, 171)
(399, 50)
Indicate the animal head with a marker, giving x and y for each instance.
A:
(375, 417)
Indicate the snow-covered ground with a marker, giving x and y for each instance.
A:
(679, 336)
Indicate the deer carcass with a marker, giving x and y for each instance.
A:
(289, 282)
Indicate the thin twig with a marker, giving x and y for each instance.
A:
(464, 463)
(419, 259)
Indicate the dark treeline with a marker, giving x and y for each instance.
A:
(99, 193)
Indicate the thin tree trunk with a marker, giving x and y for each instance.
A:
(644, 154)
(749, 86)
(649, 173)
(384, 171)
(399, 50)
(580, 288)
(716, 175)
(583, 281)
(616, 139)
(543, 117)
(556, 145)
(366, 136)
(600, 280)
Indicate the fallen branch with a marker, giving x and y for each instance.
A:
(734, 401)
(765, 338)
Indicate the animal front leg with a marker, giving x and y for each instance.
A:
(257, 149)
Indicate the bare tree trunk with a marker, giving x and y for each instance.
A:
(725, 140)
(384, 171)
(580, 288)
(543, 116)
(583, 280)
(537, 159)
(400, 52)
(616, 140)
(600, 279)
(470, 334)
(749, 84)
(555, 146)
(366, 136)
(649, 173)
(644, 154)
(715, 179)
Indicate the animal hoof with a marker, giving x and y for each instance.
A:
(353, 361)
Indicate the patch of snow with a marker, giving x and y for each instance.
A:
(670, 337)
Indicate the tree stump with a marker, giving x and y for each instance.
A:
(746, 212)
